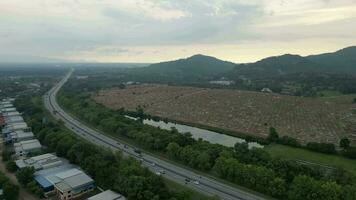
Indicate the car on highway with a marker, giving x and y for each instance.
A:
(196, 182)
(162, 171)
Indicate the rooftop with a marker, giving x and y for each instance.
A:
(71, 179)
(43, 161)
(27, 145)
(107, 195)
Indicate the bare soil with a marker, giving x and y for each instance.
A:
(307, 119)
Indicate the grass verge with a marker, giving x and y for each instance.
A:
(335, 161)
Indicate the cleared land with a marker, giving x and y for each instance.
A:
(307, 119)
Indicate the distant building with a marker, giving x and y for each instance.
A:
(19, 136)
(44, 161)
(13, 119)
(29, 146)
(222, 82)
(10, 114)
(4, 110)
(12, 127)
(107, 195)
(267, 90)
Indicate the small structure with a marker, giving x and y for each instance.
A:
(19, 136)
(29, 146)
(44, 161)
(107, 195)
(267, 90)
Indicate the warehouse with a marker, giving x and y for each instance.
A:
(107, 195)
(19, 136)
(29, 146)
(44, 161)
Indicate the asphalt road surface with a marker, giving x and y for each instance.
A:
(173, 172)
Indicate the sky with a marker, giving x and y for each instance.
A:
(158, 30)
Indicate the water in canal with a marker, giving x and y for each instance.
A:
(210, 136)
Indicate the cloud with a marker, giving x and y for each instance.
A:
(109, 29)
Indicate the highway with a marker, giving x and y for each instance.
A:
(173, 172)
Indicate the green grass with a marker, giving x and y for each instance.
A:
(335, 161)
(329, 93)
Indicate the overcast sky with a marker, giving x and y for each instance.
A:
(158, 30)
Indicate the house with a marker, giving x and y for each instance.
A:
(18, 136)
(44, 161)
(29, 146)
(107, 195)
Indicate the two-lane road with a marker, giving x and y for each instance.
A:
(173, 172)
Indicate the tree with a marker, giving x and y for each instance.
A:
(25, 175)
(11, 166)
(11, 191)
(345, 143)
(354, 100)
(273, 135)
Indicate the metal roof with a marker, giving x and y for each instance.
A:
(72, 179)
(27, 145)
(107, 195)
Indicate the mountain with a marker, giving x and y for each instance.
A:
(342, 61)
(277, 65)
(197, 65)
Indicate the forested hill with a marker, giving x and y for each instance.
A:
(342, 61)
(199, 66)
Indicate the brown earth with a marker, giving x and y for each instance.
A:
(307, 119)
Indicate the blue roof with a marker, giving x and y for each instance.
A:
(43, 181)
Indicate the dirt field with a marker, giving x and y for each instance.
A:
(307, 119)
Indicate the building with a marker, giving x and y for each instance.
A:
(44, 161)
(67, 181)
(29, 146)
(19, 136)
(107, 195)
(44, 177)
(267, 90)
(13, 119)
(12, 127)
(10, 114)
(73, 183)
(4, 110)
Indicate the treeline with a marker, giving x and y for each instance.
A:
(10, 190)
(327, 148)
(252, 168)
(110, 170)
